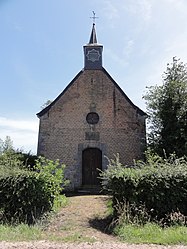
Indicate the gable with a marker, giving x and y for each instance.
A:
(100, 82)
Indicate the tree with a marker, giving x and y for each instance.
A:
(6, 145)
(1, 146)
(48, 102)
(167, 111)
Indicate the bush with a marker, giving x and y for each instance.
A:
(160, 185)
(23, 197)
(53, 174)
(26, 195)
(27, 159)
(10, 160)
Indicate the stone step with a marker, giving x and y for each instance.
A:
(89, 189)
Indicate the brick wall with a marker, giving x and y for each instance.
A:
(64, 132)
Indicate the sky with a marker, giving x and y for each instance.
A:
(41, 51)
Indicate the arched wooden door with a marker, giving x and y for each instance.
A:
(91, 164)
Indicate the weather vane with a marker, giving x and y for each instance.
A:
(94, 17)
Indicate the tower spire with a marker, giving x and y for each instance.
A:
(93, 37)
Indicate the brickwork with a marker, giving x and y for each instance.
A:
(64, 132)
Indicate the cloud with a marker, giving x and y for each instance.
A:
(115, 57)
(140, 8)
(177, 4)
(128, 48)
(23, 133)
(146, 7)
(122, 58)
(111, 11)
(27, 125)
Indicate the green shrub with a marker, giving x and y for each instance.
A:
(27, 159)
(160, 185)
(10, 160)
(26, 195)
(53, 174)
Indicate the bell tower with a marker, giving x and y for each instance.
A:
(93, 52)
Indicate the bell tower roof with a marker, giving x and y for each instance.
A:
(93, 37)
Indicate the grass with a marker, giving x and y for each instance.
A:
(20, 232)
(148, 234)
(152, 234)
(59, 202)
(24, 232)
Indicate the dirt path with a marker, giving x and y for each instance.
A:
(83, 217)
(81, 224)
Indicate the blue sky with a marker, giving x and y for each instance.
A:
(41, 51)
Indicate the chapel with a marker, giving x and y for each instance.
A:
(91, 120)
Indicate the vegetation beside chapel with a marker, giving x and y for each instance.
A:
(152, 191)
(166, 106)
(26, 194)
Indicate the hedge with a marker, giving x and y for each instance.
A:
(23, 197)
(26, 195)
(160, 187)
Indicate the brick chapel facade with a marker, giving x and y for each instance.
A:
(92, 119)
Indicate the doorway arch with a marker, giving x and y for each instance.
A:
(91, 166)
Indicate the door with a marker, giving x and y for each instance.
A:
(91, 166)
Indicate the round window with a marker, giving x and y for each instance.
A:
(92, 118)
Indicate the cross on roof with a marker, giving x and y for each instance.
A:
(94, 17)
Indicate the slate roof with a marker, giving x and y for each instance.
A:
(93, 37)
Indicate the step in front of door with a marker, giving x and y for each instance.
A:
(90, 189)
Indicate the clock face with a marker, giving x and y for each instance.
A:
(92, 118)
(93, 55)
